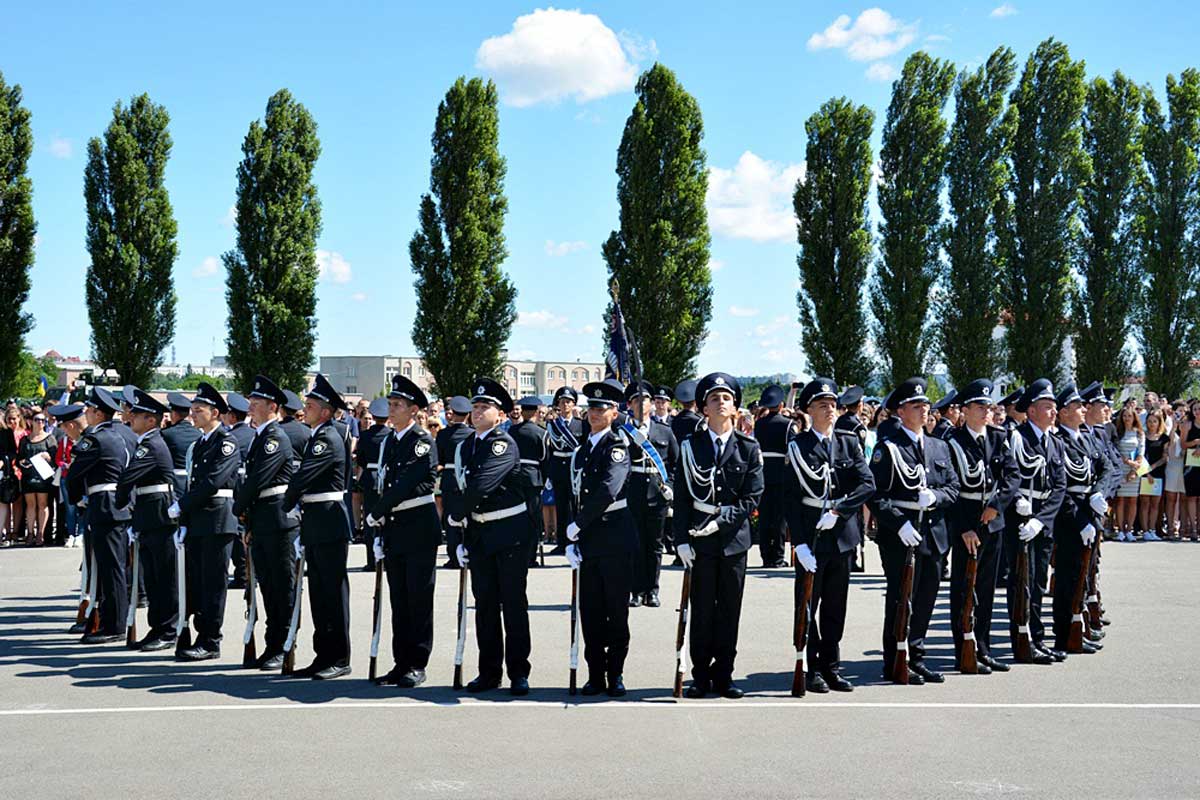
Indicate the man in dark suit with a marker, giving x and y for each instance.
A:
(179, 436)
(458, 413)
(366, 460)
(685, 422)
(531, 439)
(243, 434)
(564, 433)
(772, 432)
(292, 425)
(717, 487)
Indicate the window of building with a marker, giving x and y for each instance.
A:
(422, 371)
(351, 388)
(351, 372)
(528, 380)
(407, 370)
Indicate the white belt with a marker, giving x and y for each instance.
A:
(1036, 495)
(413, 503)
(970, 495)
(504, 513)
(272, 491)
(909, 505)
(242, 470)
(372, 466)
(223, 493)
(533, 462)
(816, 502)
(643, 470)
(181, 472)
(101, 487)
(560, 454)
(156, 489)
(705, 508)
(1079, 490)
(322, 497)
(768, 454)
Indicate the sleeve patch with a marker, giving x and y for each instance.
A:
(318, 448)
(271, 446)
(618, 454)
(227, 449)
(421, 448)
(140, 452)
(877, 456)
(499, 447)
(84, 444)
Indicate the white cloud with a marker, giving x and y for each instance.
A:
(558, 249)
(332, 266)
(715, 265)
(754, 199)
(59, 147)
(522, 355)
(1001, 11)
(776, 324)
(541, 319)
(774, 356)
(208, 267)
(874, 35)
(230, 218)
(554, 54)
(881, 71)
(934, 38)
(358, 297)
(588, 330)
(743, 311)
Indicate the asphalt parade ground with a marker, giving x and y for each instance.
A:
(100, 721)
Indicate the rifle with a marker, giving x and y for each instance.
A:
(1093, 600)
(131, 635)
(1053, 556)
(681, 633)
(249, 649)
(183, 633)
(377, 616)
(1075, 637)
(967, 661)
(461, 645)
(1023, 646)
(904, 603)
(800, 632)
(289, 644)
(85, 595)
(574, 657)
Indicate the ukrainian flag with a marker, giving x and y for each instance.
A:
(42, 386)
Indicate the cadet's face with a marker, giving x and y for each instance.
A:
(662, 407)
(73, 428)
(142, 421)
(822, 412)
(204, 415)
(719, 404)
(952, 414)
(92, 416)
(315, 413)
(914, 416)
(400, 412)
(1095, 414)
(600, 418)
(637, 406)
(1072, 415)
(977, 414)
(485, 416)
(566, 407)
(262, 411)
(1041, 413)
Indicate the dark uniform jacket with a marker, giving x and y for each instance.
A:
(366, 458)
(533, 448)
(772, 433)
(1087, 470)
(645, 484)
(446, 444)
(941, 429)
(559, 448)
(603, 474)
(1045, 486)
(207, 505)
(297, 433)
(492, 483)
(851, 422)
(987, 477)
(684, 424)
(851, 485)
(98, 459)
(409, 468)
(892, 488)
(324, 470)
(151, 470)
(178, 438)
(736, 487)
(268, 467)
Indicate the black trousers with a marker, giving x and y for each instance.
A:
(604, 586)
(649, 522)
(564, 500)
(771, 524)
(927, 576)
(1037, 579)
(207, 577)
(156, 549)
(111, 546)
(716, 608)
(498, 585)
(274, 554)
(533, 502)
(411, 579)
(329, 601)
(989, 555)
(827, 609)
(1068, 558)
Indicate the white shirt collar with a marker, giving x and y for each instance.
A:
(976, 434)
(262, 427)
(724, 438)
(485, 434)
(313, 432)
(400, 434)
(822, 437)
(1074, 432)
(918, 438)
(595, 438)
(204, 437)
(144, 435)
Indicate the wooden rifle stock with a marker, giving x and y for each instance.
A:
(1022, 647)
(681, 633)
(1075, 636)
(968, 663)
(800, 636)
(903, 612)
(1093, 601)
(1053, 557)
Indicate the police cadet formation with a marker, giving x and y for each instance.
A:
(168, 507)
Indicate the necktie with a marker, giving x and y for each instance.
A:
(720, 448)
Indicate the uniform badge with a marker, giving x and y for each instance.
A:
(271, 446)
(84, 444)
(318, 448)
(877, 456)
(825, 387)
(499, 447)
(227, 448)
(618, 454)
(719, 381)
(421, 448)
(479, 390)
(141, 451)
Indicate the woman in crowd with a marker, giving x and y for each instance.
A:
(10, 494)
(38, 445)
(1189, 431)
(1156, 457)
(1173, 491)
(1131, 445)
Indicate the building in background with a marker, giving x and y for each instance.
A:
(369, 376)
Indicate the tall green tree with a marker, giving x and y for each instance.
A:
(17, 230)
(131, 239)
(835, 243)
(271, 277)
(1048, 167)
(1107, 264)
(976, 173)
(465, 303)
(660, 254)
(1167, 316)
(912, 167)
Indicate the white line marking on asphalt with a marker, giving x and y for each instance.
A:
(550, 705)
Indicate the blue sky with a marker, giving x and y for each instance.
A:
(372, 74)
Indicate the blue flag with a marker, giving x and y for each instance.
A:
(617, 361)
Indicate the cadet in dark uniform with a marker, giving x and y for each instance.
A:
(458, 412)
(1043, 483)
(98, 459)
(772, 432)
(1012, 417)
(826, 482)
(685, 422)
(491, 534)
(70, 422)
(534, 448)
(649, 496)
(915, 488)
(148, 483)
(717, 487)
(243, 434)
(293, 428)
(319, 486)
(662, 405)
(366, 458)
(988, 482)
(851, 401)
(1090, 477)
(179, 436)
(270, 531)
(409, 532)
(604, 540)
(564, 433)
(947, 409)
(207, 526)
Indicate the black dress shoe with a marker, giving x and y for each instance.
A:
(815, 683)
(913, 678)
(331, 672)
(1094, 635)
(1041, 657)
(982, 668)
(78, 627)
(651, 599)
(1057, 655)
(929, 675)
(482, 684)
(157, 644)
(393, 675)
(411, 679)
(272, 662)
(309, 671)
(836, 682)
(519, 687)
(995, 665)
(732, 692)
(593, 688)
(635, 601)
(1091, 647)
(101, 638)
(616, 687)
(696, 691)
(199, 653)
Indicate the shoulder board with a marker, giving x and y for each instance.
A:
(745, 437)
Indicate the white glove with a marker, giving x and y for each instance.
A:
(1098, 503)
(133, 536)
(686, 554)
(573, 532)
(549, 485)
(461, 554)
(373, 522)
(1029, 531)
(827, 521)
(173, 510)
(180, 535)
(1088, 535)
(377, 546)
(926, 498)
(667, 494)
(454, 523)
(1024, 507)
(805, 558)
(909, 535)
(298, 548)
(573, 556)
